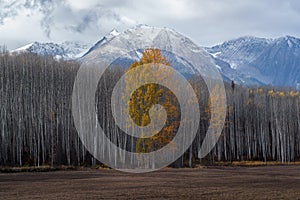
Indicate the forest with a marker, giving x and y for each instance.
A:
(37, 128)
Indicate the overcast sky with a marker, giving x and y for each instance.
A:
(207, 22)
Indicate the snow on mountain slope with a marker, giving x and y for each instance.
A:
(280, 63)
(245, 60)
(104, 40)
(67, 50)
(74, 50)
(162, 38)
(260, 61)
(240, 51)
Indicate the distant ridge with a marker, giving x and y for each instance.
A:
(246, 60)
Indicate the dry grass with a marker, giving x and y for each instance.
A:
(42, 168)
(255, 163)
(265, 182)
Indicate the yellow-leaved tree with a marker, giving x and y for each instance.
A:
(148, 95)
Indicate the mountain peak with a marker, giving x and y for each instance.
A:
(288, 37)
(114, 32)
(66, 50)
(288, 40)
(267, 61)
(143, 34)
(247, 39)
(23, 48)
(108, 37)
(132, 42)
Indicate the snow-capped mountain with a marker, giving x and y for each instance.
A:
(66, 50)
(241, 51)
(245, 60)
(280, 63)
(166, 39)
(251, 60)
(104, 40)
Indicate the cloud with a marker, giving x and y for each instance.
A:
(11, 9)
(59, 20)
(212, 21)
(90, 17)
(7, 9)
(205, 21)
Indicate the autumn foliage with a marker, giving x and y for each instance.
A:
(148, 95)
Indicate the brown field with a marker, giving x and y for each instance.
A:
(264, 182)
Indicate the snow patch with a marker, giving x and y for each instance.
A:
(66, 50)
(298, 86)
(22, 49)
(215, 55)
(114, 32)
(233, 65)
(139, 54)
(290, 44)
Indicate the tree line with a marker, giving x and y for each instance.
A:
(36, 127)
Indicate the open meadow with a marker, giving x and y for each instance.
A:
(265, 182)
